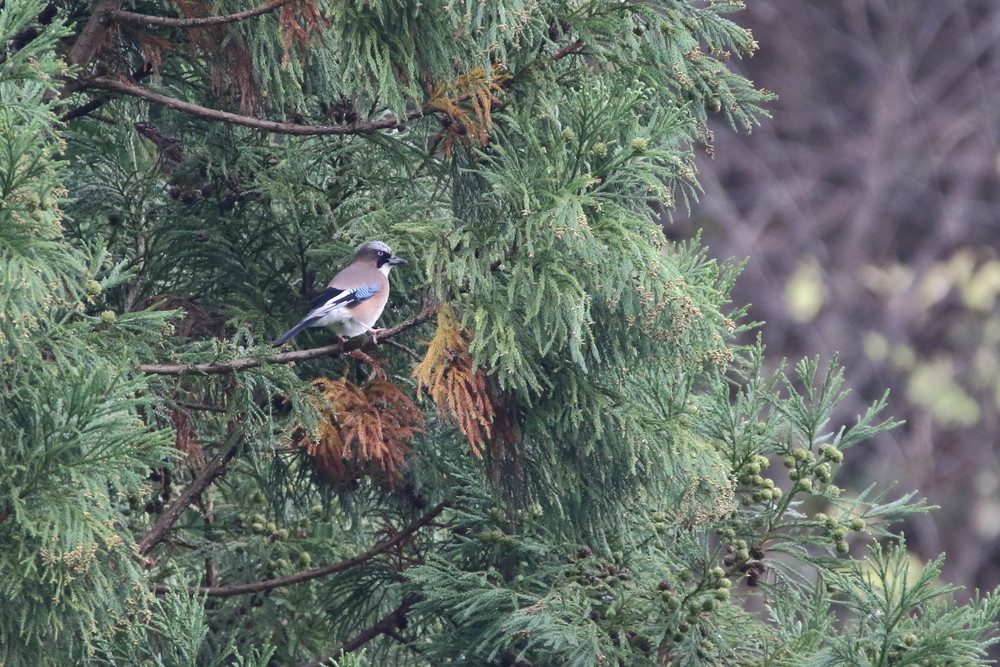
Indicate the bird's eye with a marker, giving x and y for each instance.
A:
(381, 253)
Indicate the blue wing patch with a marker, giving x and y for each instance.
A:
(366, 292)
(333, 297)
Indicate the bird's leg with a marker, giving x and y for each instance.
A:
(374, 332)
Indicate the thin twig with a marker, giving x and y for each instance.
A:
(182, 543)
(241, 364)
(399, 346)
(385, 626)
(202, 407)
(122, 16)
(368, 127)
(308, 575)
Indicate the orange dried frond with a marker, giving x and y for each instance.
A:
(231, 68)
(442, 102)
(241, 77)
(152, 49)
(184, 437)
(458, 389)
(483, 90)
(377, 366)
(469, 102)
(193, 10)
(363, 430)
(299, 21)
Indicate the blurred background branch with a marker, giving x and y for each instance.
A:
(869, 210)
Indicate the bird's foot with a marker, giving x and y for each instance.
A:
(375, 333)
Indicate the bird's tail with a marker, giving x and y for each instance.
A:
(292, 333)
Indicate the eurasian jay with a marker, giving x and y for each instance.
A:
(354, 299)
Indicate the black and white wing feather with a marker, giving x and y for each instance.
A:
(325, 304)
(334, 297)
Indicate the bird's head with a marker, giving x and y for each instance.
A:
(379, 254)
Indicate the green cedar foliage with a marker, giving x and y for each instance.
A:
(595, 472)
(73, 436)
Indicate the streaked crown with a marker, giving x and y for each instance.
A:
(378, 253)
(374, 247)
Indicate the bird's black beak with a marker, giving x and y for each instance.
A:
(396, 260)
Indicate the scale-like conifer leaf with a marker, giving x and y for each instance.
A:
(456, 386)
(469, 101)
(364, 430)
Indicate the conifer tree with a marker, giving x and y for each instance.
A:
(558, 453)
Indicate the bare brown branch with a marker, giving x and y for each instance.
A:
(367, 127)
(387, 625)
(235, 365)
(82, 110)
(133, 18)
(566, 50)
(93, 33)
(308, 575)
(212, 471)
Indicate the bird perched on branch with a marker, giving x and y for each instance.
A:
(354, 299)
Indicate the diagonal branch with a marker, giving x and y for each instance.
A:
(93, 33)
(367, 127)
(387, 625)
(212, 470)
(234, 365)
(566, 50)
(122, 16)
(308, 575)
(82, 110)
